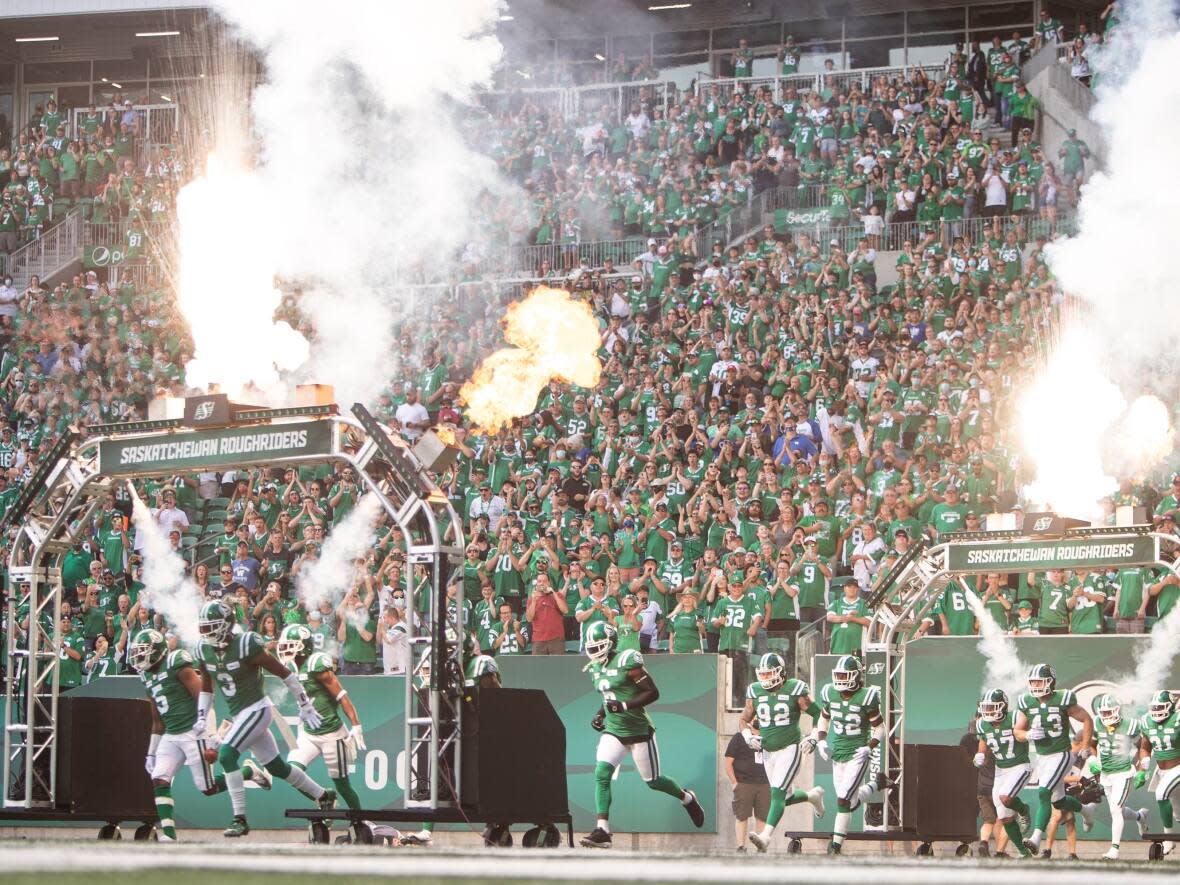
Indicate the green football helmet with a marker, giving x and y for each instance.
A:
(147, 649)
(993, 705)
(1107, 709)
(216, 622)
(771, 670)
(296, 642)
(1162, 705)
(1042, 680)
(847, 675)
(600, 641)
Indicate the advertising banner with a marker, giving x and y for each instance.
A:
(1113, 552)
(229, 446)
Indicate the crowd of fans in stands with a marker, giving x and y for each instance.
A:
(774, 426)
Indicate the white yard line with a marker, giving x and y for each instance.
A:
(559, 865)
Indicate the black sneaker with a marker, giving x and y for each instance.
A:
(1047, 854)
(741, 849)
(1073, 856)
(327, 801)
(984, 850)
(695, 813)
(1003, 854)
(600, 838)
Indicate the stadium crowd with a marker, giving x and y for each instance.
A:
(774, 426)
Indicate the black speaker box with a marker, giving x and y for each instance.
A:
(514, 757)
(101, 746)
(939, 792)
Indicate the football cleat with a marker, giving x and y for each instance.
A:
(1168, 846)
(1141, 822)
(1112, 853)
(237, 828)
(422, 837)
(1042, 679)
(759, 843)
(599, 838)
(815, 796)
(328, 800)
(834, 849)
(260, 777)
(695, 813)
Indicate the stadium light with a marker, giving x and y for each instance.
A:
(36, 39)
(599, 56)
(157, 33)
(116, 85)
(664, 6)
(508, 18)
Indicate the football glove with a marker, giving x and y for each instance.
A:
(614, 705)
(357, 736)
(1138, 780)
(753, 741)
(1037, 733)
(821, 747)
(308, 713)
(598, 723)
(149, 763)
(202, 723)
(1094, 766)
(1144, 763)
(807, 745)
(862, 754)
(980, 760)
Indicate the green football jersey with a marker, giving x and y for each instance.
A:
(849, 718)
(1052, 714)
(239, 680)
(1000, 740)
(325, 704)
(1117, 746)
(176, 706)
(1164, 736)
(777, 712)
(611, 681)
(477, 666)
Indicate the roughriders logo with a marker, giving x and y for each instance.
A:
(204, 411)
(1042, 524)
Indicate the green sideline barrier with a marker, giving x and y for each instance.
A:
(685, 718)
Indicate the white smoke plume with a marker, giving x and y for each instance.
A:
(363, 172)
(335, 571)
(1004, 668)
(1121, 266)
(1153, 664)
(167, 589)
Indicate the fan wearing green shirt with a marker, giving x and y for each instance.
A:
(1165, 593)
(1087, 602)
(1053, 614)
(847, 618)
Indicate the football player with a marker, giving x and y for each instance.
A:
(1160, 739)
(1116, 746)
(237, 662)
(1043, 719)
(996, 736)
(332, 739)
(627, 689)
(852, 711)
(776, 703)
(179, 712)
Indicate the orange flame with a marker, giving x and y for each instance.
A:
(446, 434)
(552, 336)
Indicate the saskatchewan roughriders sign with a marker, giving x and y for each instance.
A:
(1021, 556)
(214, 448)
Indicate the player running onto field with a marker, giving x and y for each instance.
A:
(1160, 739)
(994, 728)
(332, 739)
(627, 689)
(776, 703)
(237, 661)
(179, 712)
(1117, 745)
(1043, 720)
(852, 711)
